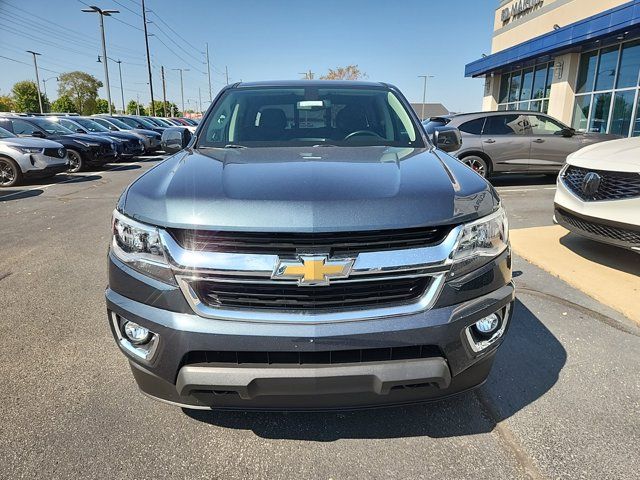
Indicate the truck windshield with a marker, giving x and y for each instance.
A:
(284, 116)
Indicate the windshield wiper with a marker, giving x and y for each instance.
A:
(235, 145)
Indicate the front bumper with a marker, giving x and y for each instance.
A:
(178, 371)
(616, 222)
(47, 171)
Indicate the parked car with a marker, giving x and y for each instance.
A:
(165, 122)
(515, 141)
(150, 138)
(598, 194)
(270, 265)
(83, 150)
(139, 122)
(130, 145)
(22, 158)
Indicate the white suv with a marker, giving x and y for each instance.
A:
(29, 157)
(598, 193)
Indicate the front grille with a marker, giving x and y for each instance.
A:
(338, 295)
(55, 152)
(623, 235)
(328, 357)
(613, 185)
(288, 244)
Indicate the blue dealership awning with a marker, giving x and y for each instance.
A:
(610, 22)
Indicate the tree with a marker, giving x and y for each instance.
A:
(6, 103)
(63, 105)
(132, 108)
(350, 72)
(102, 106)
(81, 88)
(25, 97)
(160, 108)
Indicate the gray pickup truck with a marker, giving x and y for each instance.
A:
(309, 247)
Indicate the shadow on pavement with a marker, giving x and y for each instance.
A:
(526, 367)
(10, 194)
(523, 180)
(123, 168)
(608, 255)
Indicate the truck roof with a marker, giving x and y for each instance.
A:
(312, 83)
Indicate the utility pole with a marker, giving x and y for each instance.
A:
(209, 74)
(119, 62)
(104, 13)
(164, 91)
(181, 84)
(35, 64)
(137, 104)
(146, 42)
(199, 101)
(424, 93)
(226, 72)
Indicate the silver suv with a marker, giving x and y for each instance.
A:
(22, 158)
(514, 141)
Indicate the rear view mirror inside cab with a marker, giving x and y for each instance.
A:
(313, 104)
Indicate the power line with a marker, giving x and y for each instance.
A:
(176, 33)
(177, 44)
(25, 63)
(126, 8)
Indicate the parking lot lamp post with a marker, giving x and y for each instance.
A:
(103, 13)
(424, 93)
(44, 84)
(35, 64)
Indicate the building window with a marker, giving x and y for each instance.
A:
(527, 89)
(607, 90)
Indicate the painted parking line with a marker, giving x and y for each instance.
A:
(74, 178)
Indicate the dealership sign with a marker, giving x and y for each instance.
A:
(520, 7)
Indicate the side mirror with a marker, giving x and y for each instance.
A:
(175, 139)
(447, 139)
(567, 132)
(37, 133)
(80, 130)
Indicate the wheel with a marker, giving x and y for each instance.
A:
(477, 164)
(76, 164)
(10, 173)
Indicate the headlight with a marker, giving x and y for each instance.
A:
(480, 241)
(28, 149)
(139, 246)
(88, 144)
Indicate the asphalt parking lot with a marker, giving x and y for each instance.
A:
(563, 400)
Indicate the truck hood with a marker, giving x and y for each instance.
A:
(308, 189)
(618, 155)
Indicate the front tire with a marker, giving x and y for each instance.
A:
(76, 163)
(477, 164)
(10, 173)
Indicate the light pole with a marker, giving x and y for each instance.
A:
(181, 84)
(103, 13)
(44, 84)
(424, 93)
(35, 64)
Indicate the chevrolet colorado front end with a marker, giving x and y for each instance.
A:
(308, 248)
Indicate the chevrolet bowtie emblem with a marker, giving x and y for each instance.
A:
(313, 269)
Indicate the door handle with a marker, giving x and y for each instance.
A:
(491, 140)
(538, 140)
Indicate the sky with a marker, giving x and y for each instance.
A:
(392, 41)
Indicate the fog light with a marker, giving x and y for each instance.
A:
(488, 324)
(136, 334)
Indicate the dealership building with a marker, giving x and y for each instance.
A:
(577, 60)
